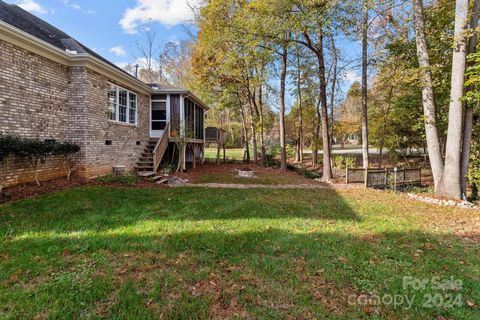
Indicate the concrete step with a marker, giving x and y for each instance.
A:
(146, 174)
(161, 181)
(157, 178)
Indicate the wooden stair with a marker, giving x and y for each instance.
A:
(145, 162)
(149, 161)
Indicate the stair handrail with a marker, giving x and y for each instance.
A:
(160, 147)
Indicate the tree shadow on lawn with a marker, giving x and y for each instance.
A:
(141, 253)
(99, 209)
(268, 274)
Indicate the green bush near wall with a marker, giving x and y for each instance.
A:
(36, 151)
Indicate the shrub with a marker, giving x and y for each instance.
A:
(311, 175)
(8, 147)
(36, 151)
(290, 151)
(168, 168)
(350, 162)
(65, 150)
(339, 162)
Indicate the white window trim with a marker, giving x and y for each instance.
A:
(117, 105)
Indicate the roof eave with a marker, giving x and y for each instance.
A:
(22, 39)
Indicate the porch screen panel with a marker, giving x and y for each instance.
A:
(189, 117)
(175, 113)
(198, 122)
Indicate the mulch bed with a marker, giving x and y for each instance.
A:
(32, 190)
(230, 169)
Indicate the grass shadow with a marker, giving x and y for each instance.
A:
(280, 273)
(101, 208)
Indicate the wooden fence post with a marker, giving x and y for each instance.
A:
(385, 180)
(366, 177)
(395, 179)
(346, 175)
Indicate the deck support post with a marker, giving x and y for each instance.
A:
(184, 160)
(194, 149)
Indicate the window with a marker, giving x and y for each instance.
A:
(122, 105)
(132, 108)
(112, 97)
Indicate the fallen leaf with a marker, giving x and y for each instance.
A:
(470, 303)
(342, 259)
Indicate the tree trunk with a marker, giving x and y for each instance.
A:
(365, 86)
(34, 164)
(245, 130)
(433, 144)
(262, 124)
(299, 156)
(468, 119)
(283, 164)
(327, 165)
(254, 132)
(450, 184)
(334, 85)
(68, 166)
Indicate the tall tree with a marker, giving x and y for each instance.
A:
(148, 49)
(283, 76)
(430, 118)
(468, 120)
(365, 85)
(300, 139)
(318, 48)
(450, 184)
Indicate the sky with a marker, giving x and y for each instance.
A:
(111, 27)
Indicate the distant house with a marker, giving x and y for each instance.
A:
(53, 87)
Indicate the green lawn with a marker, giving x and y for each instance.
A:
(192, 253)
(230, 154)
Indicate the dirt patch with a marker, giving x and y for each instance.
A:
(31, 189)
(228, 173)
(254, 186)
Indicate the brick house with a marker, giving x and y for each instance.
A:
(53, 87)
